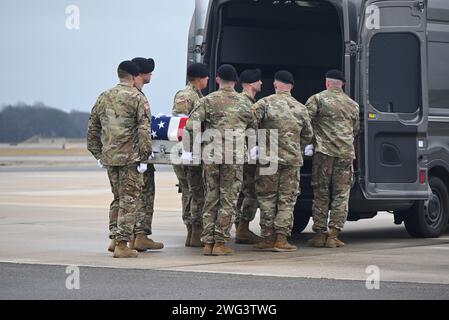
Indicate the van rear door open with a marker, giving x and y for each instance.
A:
(392, 70)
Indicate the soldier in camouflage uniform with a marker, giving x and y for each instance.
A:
(335, 120)
(277, 193)
(190, 177)
(144, 217)
(222, 110)
(247, 204)
(118, 137)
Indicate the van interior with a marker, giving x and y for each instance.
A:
(303, 37)
(300, 36)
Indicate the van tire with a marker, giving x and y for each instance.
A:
(429, 218)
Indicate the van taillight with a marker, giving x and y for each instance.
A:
(422, 176)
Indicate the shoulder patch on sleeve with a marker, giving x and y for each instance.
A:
(181, 100)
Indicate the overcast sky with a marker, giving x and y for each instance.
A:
(44, 61)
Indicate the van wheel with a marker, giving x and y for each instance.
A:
(302, 214)
(429, 218)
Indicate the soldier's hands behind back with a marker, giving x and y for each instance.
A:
(142, 167)
(99, 164)
(187, 156)
(308, 151)
(254, 153)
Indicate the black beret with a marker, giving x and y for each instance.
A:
(198, 70)
(227, 73)
(335, 74)
(130, 67)
(250, 76)
(145, 65)
(284, 76)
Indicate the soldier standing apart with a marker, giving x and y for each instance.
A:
(335, 120)
(118, 138)
(144, 216)
(191, 177)
(223, 110)
(247, 205)
(277, 193)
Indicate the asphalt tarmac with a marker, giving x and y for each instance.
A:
(54, 217)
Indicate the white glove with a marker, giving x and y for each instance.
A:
(99, 164)
(151, 157)
(187, 156)
(308, 151)
(142, 167)
(254, 153)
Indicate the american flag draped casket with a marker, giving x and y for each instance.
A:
(166, 133)
(164, 127)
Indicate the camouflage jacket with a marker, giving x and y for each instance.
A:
(248, 97)
(335, 121)
(223, 110)
(283, 112)
(185, 100)
(119, 127)
(146, 103)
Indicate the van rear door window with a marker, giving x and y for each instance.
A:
(394, 73)
(439, 75)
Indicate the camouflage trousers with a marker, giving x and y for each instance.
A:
(331, 178)
(144, 216)
(277, 195)
(223, 185)
(196, 187)
(247, 203)
(126, 184)
(181, 174)
(191, 181)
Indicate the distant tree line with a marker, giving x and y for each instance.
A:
(21, 122)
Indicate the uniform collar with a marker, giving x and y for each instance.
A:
(285, 93)
(248, 95)
(227, 89)
(125, 84)
(335, 90)
(140, 90)
(198, 92)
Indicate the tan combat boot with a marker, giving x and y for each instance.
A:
(155, 245)
(142, 243)
(332, 239)
(245, 236)
(220, 249)
(122, 251)
(282, 244)
(267, 244)
(131, 243)
(111, 247)
(195, 240)
(208, 248)
(189, 235)
(319, 240)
